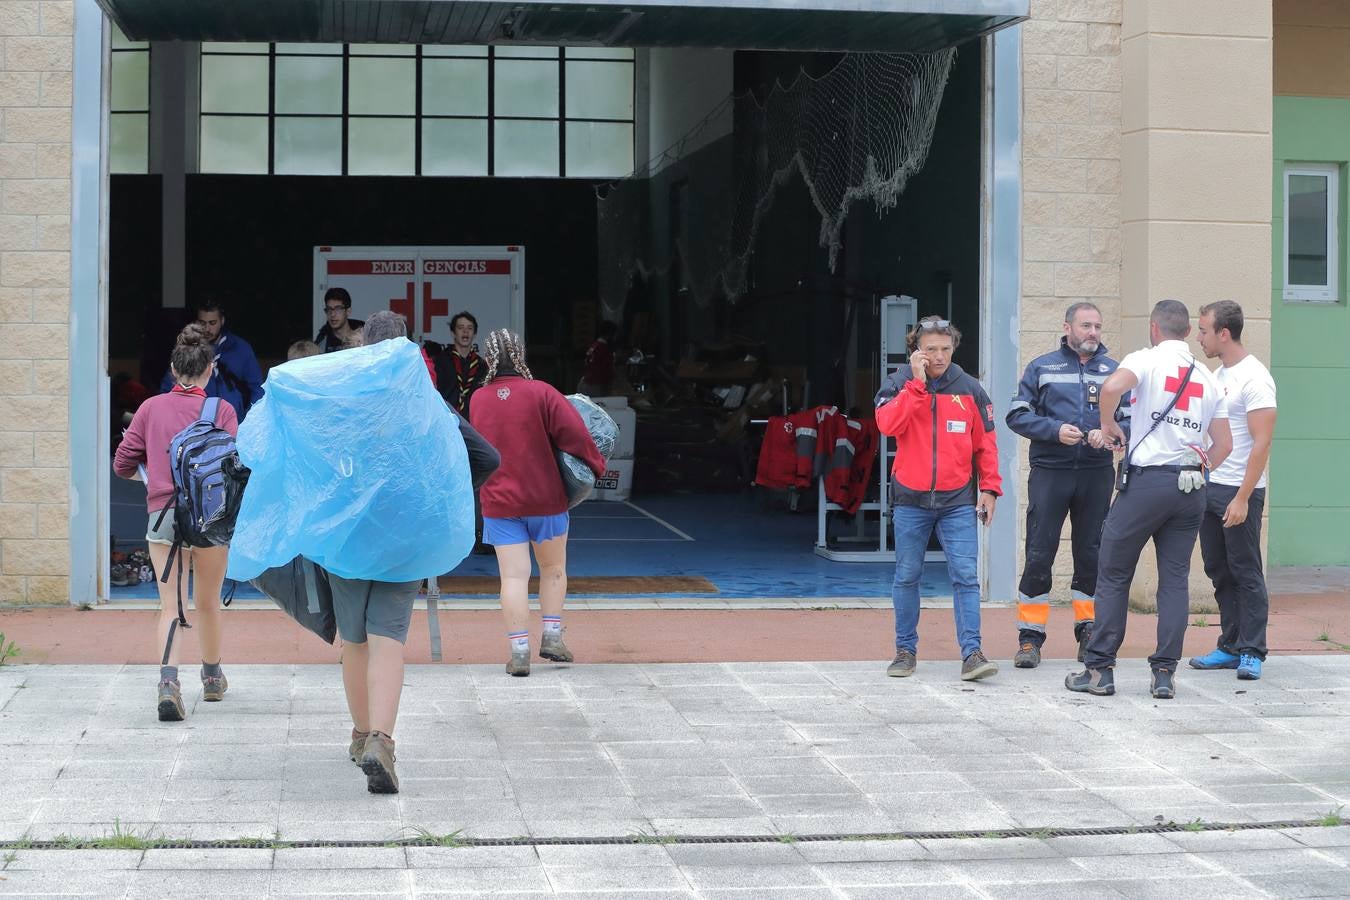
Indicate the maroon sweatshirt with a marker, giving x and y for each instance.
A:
(152, 428)
(526, 420)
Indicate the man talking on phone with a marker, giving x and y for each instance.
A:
(945, 478)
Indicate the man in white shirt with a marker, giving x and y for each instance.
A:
(1230, 532)
(1176, 403)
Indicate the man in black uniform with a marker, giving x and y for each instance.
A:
(1057, 409)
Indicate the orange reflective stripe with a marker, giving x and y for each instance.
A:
(1033, 613)
(1083, 610)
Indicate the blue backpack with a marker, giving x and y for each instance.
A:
(208, 487)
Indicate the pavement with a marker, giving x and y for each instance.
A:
(703, 780)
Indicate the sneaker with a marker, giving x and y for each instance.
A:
(1028, 656)
(975, 667)
(357, 749)
(1249, 669)
(1162, 687)
(1097, 682)
(519, 664)
(1084, 635)
(171, 707)
(122, 575)
(552, 647)
(1215, 659)
(903, 664)
(377, 761)
(214, 687)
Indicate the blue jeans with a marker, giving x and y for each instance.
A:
(956, 532)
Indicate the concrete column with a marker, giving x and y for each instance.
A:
(174, 99)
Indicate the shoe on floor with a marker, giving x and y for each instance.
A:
(518, 664)
(377, 761)
(1097, 682)
(1215, 659)
(357, 748)
(1161, 686)
(171, 707)
(214, 687)
(1084, 635)
(1028, 656)
(975, 666)
(903, 664)
(1249, 669)
(552, 647)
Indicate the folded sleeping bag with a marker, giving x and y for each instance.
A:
(358, 465)
(578, 479)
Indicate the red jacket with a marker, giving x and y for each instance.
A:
(155, 424)
(526, 420)
(944, 438)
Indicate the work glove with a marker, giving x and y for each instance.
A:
(1191, 480)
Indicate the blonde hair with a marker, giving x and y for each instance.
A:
(503, 340)
(301, 349)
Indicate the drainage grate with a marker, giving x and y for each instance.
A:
(131, 842)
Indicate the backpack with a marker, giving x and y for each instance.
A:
(208, 487)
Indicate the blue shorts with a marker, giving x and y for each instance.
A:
(520, 529)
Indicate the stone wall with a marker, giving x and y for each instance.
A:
(35, 176)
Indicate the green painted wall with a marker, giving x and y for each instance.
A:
(1310, 360)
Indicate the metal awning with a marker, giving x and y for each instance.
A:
(885, 25)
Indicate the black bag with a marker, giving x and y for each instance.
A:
(302, 591)
(1123, 474)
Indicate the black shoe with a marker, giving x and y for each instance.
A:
(1084, 635)
(1162, 687)
(1028, 656)
(1098, 682)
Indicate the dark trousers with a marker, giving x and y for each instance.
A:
(1154, 508)
(1233, 562)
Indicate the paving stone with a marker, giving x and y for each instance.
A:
(864, 874)
(73, 860)
(220, 858)
(480, 880)
(762, 876)
(207, 883)
(80, 883)
(340, 858)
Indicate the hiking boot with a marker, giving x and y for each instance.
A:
(357, 748)
(1084, 635)
(1161, 687)
(1028, 656)
(519, 664)
(171, 707)
(903, 664)
(552, 647)
(1249, 669)
(1215, 659)
(1097, 682)
(377, 761)
(975, 667)
(214, 687)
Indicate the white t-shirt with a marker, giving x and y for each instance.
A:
(1247, 386)
(1160, 370)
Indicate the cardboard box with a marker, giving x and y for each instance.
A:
(626, 418)
(616, 483)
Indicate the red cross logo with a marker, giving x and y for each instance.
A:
(1193, 389)
(432, 306)
(403, 305)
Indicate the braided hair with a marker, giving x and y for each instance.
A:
(503, 340)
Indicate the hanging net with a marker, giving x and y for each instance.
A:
(857, 133)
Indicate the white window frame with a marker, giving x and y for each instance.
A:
(1316, 293)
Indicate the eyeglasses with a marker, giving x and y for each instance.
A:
(934, 325)
(333, 308)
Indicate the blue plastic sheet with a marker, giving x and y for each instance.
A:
(357, 465)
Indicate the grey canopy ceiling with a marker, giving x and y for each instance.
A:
(881, 25)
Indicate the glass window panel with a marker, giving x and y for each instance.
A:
(130, 88)
(309, 84)
(454, 50)
(381, 86)
(380, 147)
(599, 149)
(1308, 209)
(526, 88)
(384, 49)
(454, 146)
(234, 144)
(309, 146)
(310, 49)
(454, 87)
(234, 84)
(525, 148)
(129, 144)
(234, 47)
(528, 51)
(599, 90)
(121, 42)
(598, 52)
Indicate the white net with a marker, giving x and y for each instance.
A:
(857, 133)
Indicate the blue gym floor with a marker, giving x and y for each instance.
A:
(748, 545)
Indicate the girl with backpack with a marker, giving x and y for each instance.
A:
(524, 503)
(158, 420)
